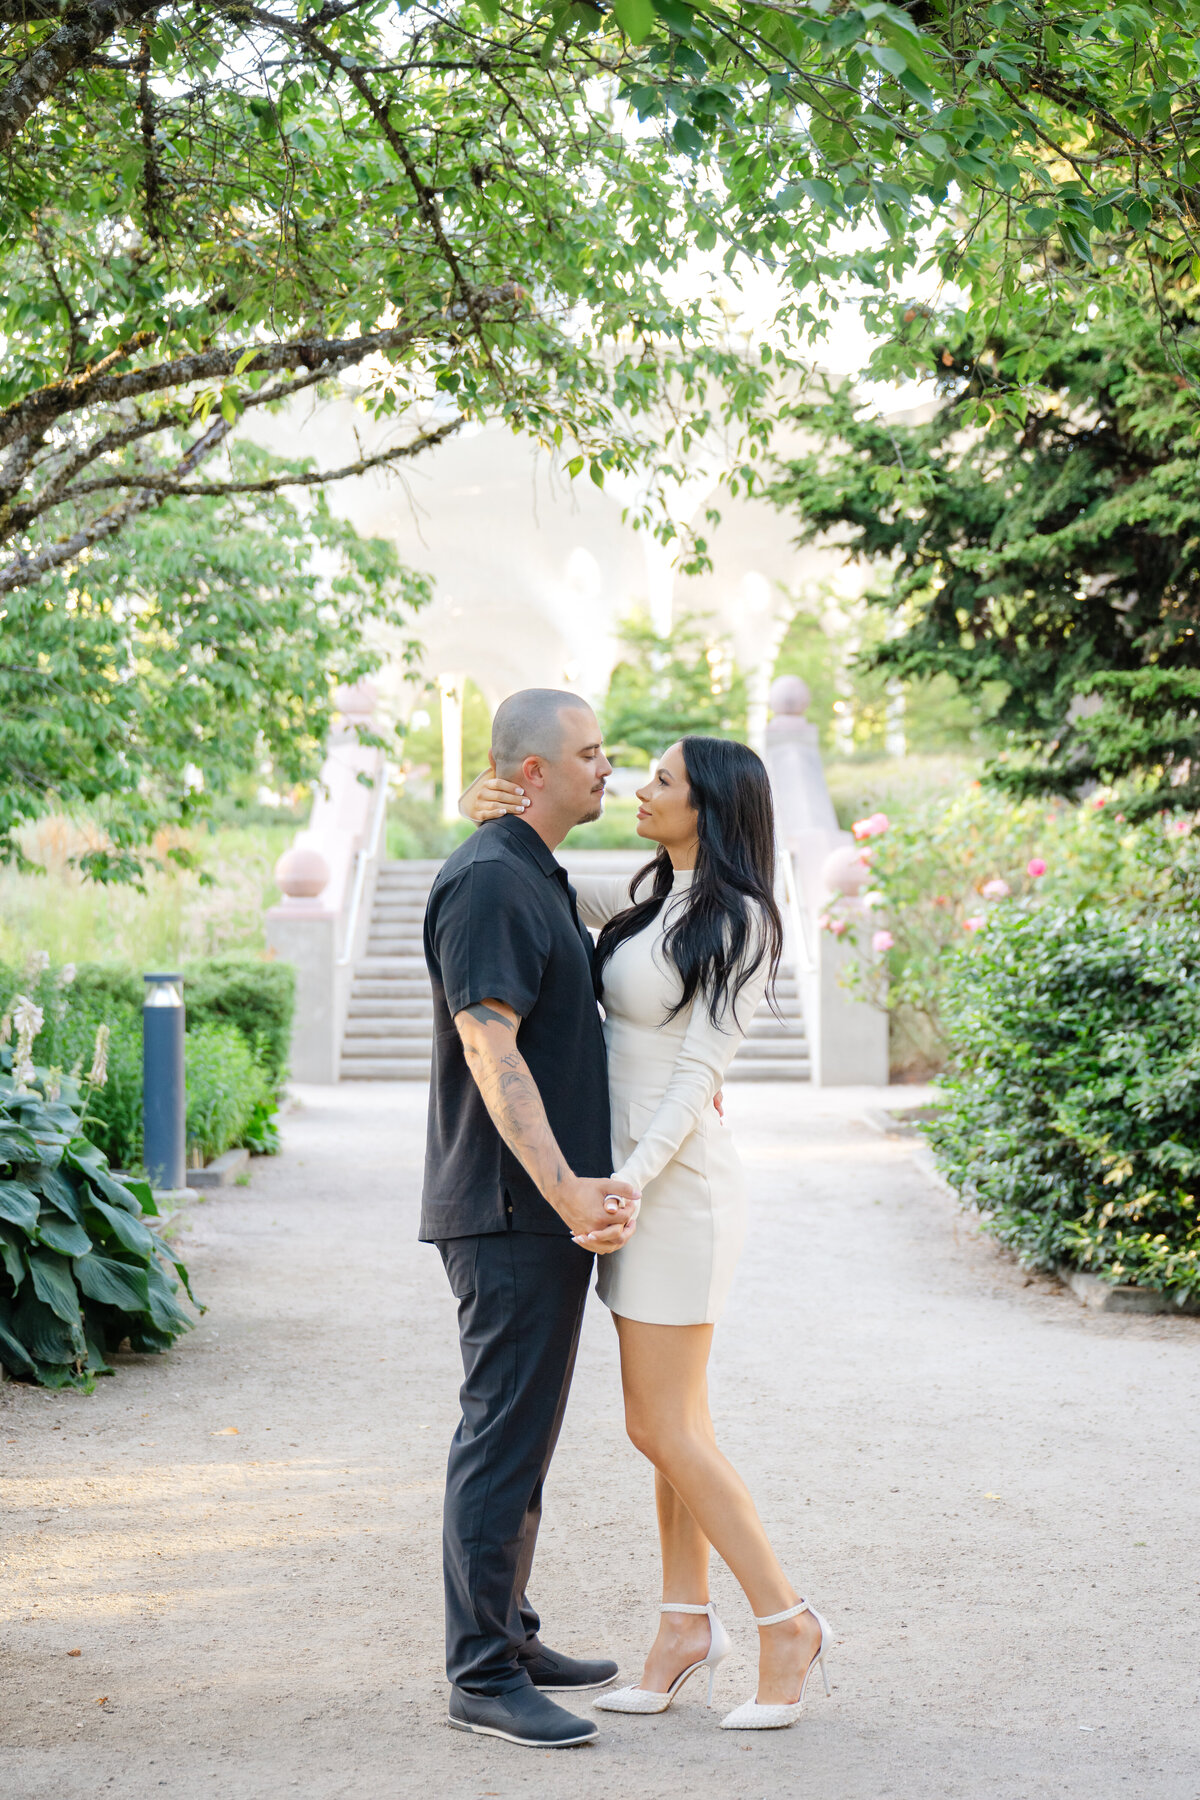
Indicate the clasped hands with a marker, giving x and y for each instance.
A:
(599, 1210)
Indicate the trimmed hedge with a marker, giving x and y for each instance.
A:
(1072, 1115)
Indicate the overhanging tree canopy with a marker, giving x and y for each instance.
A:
(211, 206)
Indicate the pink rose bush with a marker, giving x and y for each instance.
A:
(996, 889)
(1036, 867)
(883, 940)
(875, 826)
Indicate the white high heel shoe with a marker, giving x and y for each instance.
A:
(641, 1700)
(752, 1716)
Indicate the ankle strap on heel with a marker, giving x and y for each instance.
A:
(685, 1606)
(778, 1618)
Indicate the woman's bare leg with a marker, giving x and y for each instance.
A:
(682, 1638)
(664, 1372)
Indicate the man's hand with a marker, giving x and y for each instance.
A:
(599, 1209)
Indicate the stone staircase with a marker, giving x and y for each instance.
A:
(388, 1033)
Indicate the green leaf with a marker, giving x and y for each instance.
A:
(54, 1186)
(53, 1285)
(128, 1231)
(17, 1146)
(113, 1283)
(13, 1353)
(165, 1310)
(46, 1336)
(635, 17)
(887, 58)
(18, 1204)
(63, 1235)
(11, 1254)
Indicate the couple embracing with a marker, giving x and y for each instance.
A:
(533, 1100)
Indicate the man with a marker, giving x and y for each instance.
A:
(518, 1198)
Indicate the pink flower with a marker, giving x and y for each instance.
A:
(1099, 801)
(836, 926)
(941, 900)
(873, 898)
(995, 890)
(882, 940)
(975, 923)
(1035, 867)
(875, 826)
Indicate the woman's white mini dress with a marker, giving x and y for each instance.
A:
(667, 1137)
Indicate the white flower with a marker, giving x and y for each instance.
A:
(27, 1018)
(66, 974)
(6, 1025)
(52, 1084)
(39, 962)
(98, 1073)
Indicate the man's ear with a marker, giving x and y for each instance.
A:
(492, 761)
(533, 774)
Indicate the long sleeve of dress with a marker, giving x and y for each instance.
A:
(704, 1055)
(600, 897)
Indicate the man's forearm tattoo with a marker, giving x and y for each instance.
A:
(516, 1109)
(487, 1015)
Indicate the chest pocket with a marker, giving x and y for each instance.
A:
(692, 1153)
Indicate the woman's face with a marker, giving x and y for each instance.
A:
(666, 814)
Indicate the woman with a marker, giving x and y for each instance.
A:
(681, 972)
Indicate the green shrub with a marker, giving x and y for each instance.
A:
(1072, 1114)
(225, 1085)
(257, 997)
(236, 1041)
(81, 1273)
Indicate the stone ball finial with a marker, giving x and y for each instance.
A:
(790, 696)
(846, 871)
(302, 874)
(356, 703)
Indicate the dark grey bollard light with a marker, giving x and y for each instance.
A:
(163, 1091)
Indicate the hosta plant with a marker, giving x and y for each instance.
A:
(83, 1272)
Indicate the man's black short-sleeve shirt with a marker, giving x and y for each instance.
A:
(501, 924)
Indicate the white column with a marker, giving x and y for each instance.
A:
(451, 689)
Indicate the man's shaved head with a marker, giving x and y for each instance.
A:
(529, 723)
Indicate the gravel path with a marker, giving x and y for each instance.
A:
(990, 1493)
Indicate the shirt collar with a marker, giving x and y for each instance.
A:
(533, 846)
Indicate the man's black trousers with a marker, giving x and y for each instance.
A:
(520, 1306)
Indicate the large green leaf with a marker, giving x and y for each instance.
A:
(18, 1204)
(16, 1145)
(56, 1187)
(53, 1284)
(13, 1353)
(12, 1248)
(113, 1283)
(62, 1234)
(165, 1310)
(130, 1232)
(44, 1335)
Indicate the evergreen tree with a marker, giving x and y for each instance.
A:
(1050, 565)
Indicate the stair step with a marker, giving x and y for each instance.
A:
(768, 1071)
(386, 1068)
(377, 1030)
(391, 1006)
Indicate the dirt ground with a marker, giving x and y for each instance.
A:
(990, 1492)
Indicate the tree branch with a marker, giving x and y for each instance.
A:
(169, 485)
(82, 31)
(24, 570)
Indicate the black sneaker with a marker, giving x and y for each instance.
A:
(556, 1673)
(521, 1716)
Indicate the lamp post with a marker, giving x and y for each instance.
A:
(163, 1090)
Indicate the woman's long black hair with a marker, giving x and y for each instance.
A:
(731, 923)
